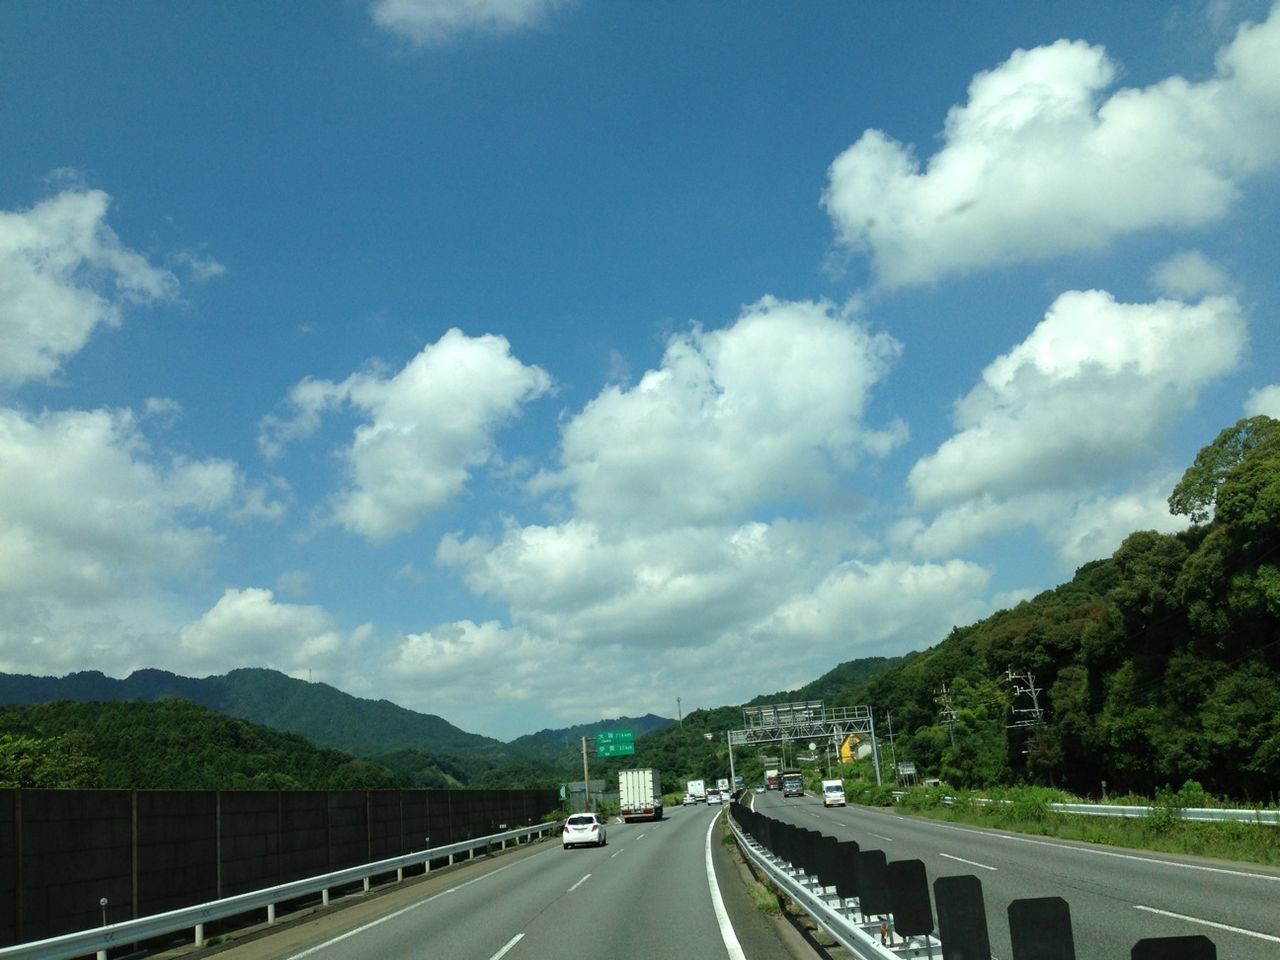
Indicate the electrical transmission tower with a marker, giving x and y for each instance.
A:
(947, 712)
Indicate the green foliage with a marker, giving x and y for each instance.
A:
(1158, 664)
(47, 762)
(172, 744)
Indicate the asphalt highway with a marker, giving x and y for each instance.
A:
(1116, 896)
(659, 889)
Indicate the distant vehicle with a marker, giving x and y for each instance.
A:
(760, 788)
(713, 796)
(792, 783)
(739, 781)
(640, 794)
(723, 785)
(699, 790)
(772, 779)
(688, 799)
(833, 793)
(583, 828)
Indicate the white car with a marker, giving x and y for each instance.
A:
(583, 828)
(713, 796)
(688, 799)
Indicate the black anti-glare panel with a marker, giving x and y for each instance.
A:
(873, 883)
(1197, 947)
(1040, 929)
(909, 898)
(847, 868)
(962, 918)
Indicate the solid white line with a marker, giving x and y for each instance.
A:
(730, 938)
(1130, 856)
(391, 916)
(507, 949)
(972, 863)
(1210, 923)
(579, 883)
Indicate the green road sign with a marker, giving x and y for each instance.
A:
(615, 743)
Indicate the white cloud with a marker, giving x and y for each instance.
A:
(1189, 274)
(768, 409)
(430, 426)
(1264, 401)
(1038, 163)
(1096, 527)
(86, 509)
(1087, 393)
(63, 274)
(250, 627)
(427, 22)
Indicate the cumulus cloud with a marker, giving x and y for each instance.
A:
(86, 508)
(429, 427)
(1189, 274)
(771, 408)
(427, 22)
(63, 274)
(652, 590)
(1040, 163)
(1092, 388)
(249, 627)
(1264, 401)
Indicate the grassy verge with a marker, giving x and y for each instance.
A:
(1025, 810)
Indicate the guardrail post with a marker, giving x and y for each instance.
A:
(199, 937)
(271, 914)
(366, 884)
(324, 897)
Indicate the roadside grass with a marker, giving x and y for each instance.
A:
(1025, 810)
(766, 900)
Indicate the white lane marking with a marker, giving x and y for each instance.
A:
(507, 949)
(640, 836)
(391, 916)
(972, 863)
(880, 836)
(730, 938)
(1210, 923)
(1130, 856)
(616, 853)
(579, 883)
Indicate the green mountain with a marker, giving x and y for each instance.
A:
(562, 747)
(168, 744)
(1158, 665)
(836, 685)
(320, 713)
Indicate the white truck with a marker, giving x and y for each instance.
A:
(640, 794)
(833, 793)
(698, 790)
(723, 785)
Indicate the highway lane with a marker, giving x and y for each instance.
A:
(646, 893)
(1116, 896)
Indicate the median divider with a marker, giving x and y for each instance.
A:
(878, 909)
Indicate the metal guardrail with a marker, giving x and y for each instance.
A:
(831, 912)
(1267, 818)
(101, 939)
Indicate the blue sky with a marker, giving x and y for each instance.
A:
(531, 362)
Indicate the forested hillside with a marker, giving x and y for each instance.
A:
(170, 744)
(1158, 665)
(317, 711)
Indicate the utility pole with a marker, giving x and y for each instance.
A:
(948, 712)
(1033, 716)
(892, 752)
(586, 782)
(679, 714)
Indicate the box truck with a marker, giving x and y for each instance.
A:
(833, 793)
(698, 789)
(640, 794)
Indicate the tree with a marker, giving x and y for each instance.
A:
(1196, 493)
